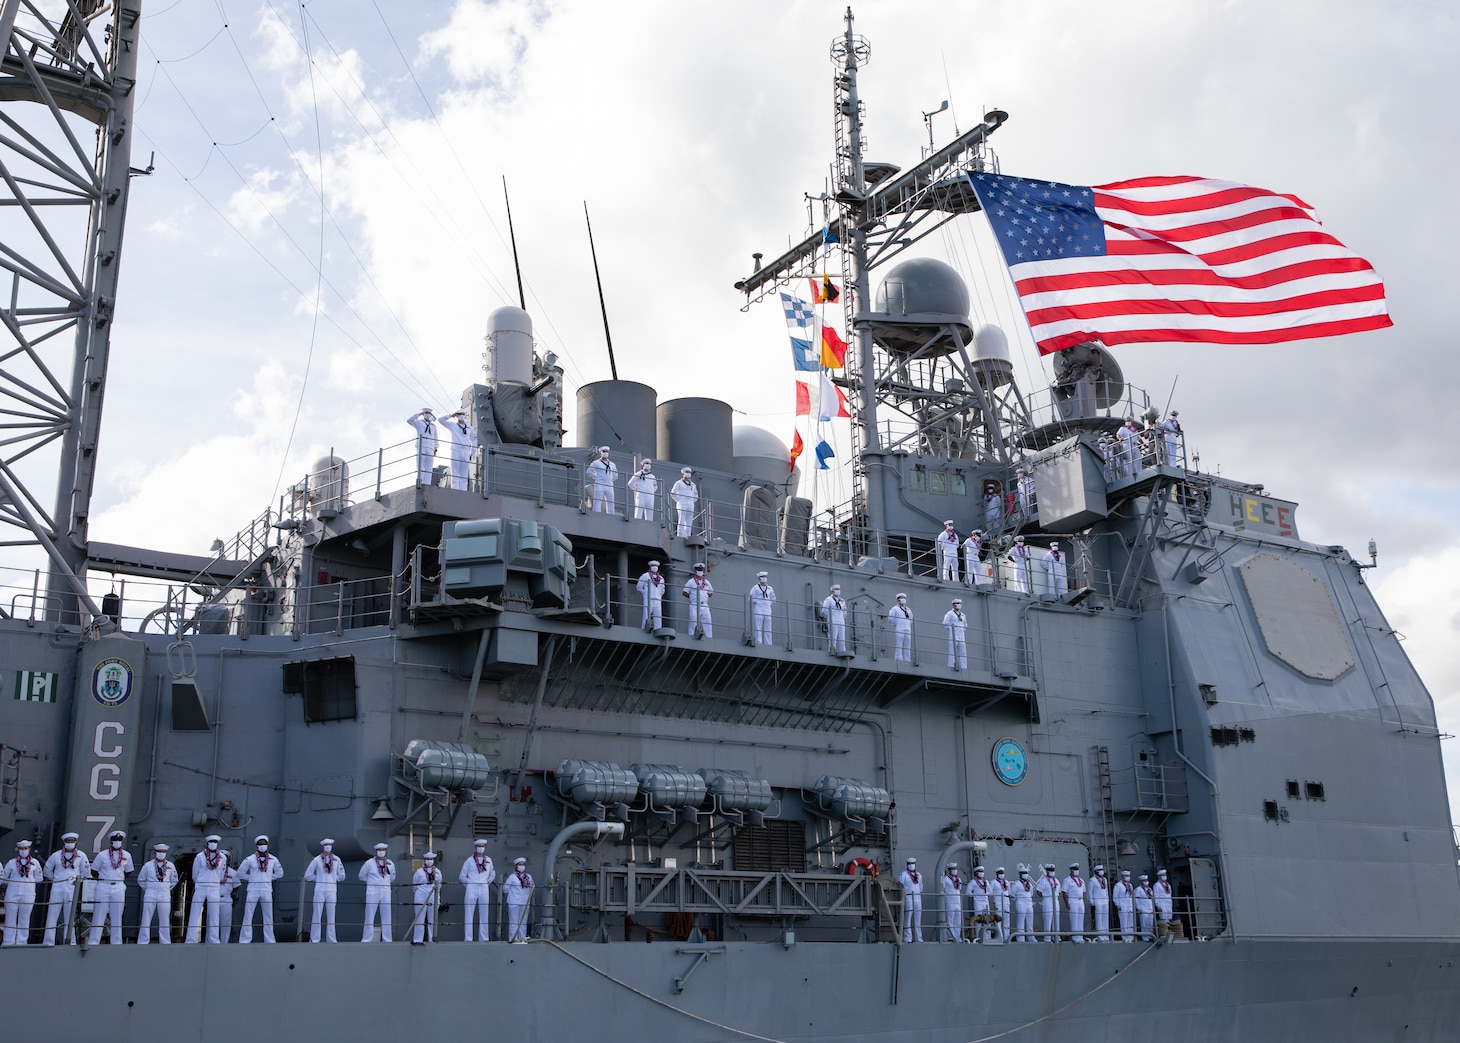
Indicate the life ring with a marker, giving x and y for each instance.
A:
(870, 866)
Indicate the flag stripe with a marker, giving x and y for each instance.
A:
(1175, 259)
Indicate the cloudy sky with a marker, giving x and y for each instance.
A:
(352, 153)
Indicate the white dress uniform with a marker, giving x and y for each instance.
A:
(20, 874)
(63, 869)
(110, 868)
(226, 891)
(1108, 449)
(946, 548)
(762, 604)
(1049, 904)
(327, 872)
(1002, 893)
(1145, 901)
(982, 891)
(1161, 889)
(1074, 892)
(645, 488)
(912, 902)
(1020, 560)
(603, 474)
(993, 510)
(210, 866)
(377, 874)
(1128, 454)
(953, 904)
(1100, 904)
(426, 890)
(157, 879)
(699, 591)
(685, 495)
(517, 890)
(464, 443)
(259, 871)
(1023, 892)
(1055, 583)
(975, 570)
(651, 589)
(477, 874)
(1123, 896)
(1171, 440)
(956, 623)
(424, 424)
(901, 621)
(834, 611)
(1024, 493)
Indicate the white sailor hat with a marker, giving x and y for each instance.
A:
(835, 587)
(761, 575)
(1049, 865)
(1074, 865)
(459, 412)
(22, 843)
(1019, 470)
(999, 871)
(1160, 872)
(686, 471)
(901, 596)
(159, 847)
(653, 564)
(114, 834)
(479, 843)
(1054, 544)
(978, 870)
(699, 566)
(1144, 877)
(949, 523)
(428, 409)
(1018, 539)
(70, 836)
(911, 861)
(262, 838)
(603, 449)
(957, 601)
(429, 856)
(382, 847)
(327, 842)
(1023, 870)
(645, 462)
(1125, 872)
(519, 861)
(212, 838)
(1099, 869)
(978, 532)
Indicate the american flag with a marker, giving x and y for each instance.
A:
(1175, 259)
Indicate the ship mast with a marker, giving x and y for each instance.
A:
(880, 212)
(66, 197)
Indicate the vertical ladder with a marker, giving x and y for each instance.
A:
(1107, 810)
(1140, 553)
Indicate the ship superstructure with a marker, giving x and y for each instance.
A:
(385, 657)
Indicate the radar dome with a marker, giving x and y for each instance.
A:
(763, 456)
(924, 287)
(509, 337)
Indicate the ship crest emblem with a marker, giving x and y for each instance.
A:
(111, 682)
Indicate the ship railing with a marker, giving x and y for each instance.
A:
(797, 623)
(1150, 788)
(1190, 917)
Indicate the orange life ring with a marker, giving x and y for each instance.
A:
(870, 866)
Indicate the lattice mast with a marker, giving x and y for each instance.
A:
(79, 73)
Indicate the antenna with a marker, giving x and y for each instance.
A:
(608, 337)
(928, 119)
(521, 297)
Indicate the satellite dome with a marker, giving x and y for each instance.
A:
(757, 441)
(926, 288)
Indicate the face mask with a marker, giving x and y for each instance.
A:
(212, 845)
(263, 848)
(70, 845)
(327, 848)
(161, 856)
(116, 843)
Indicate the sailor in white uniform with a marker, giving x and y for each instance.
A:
(1023, 891)
(110, 869)
(834, 612)
(956, 623)
(210, 865)
(899, 617)
(1073, 890)
(1049, 903)
(1128, 454)
(762, 602)
(953, 903)
(1002, 893)
(1161, 891)
(602, 474)
(1109, 447)
(327, 872)
(685, 495)
(463, 444)
(157, 879)
(1100, 903)
(993, 508)
(974, 569)
(946, 551)
(424, 424)
(912, 902)
(517, 890)
(63, 869)
(1145, 902)
(378, 874)
(20, 876)
(699, 591)
(984, 895)
(1171, 440)
(1024, 492)
(477, 874)
(259, 871)
(1021, 564)
(645, 488)
(1123, 897)
(427, 893)
(651, 588)
(1053, 564)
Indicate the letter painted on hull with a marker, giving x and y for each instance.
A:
(105, 732)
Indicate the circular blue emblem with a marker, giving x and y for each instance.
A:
(1011, 764)
(111, 682)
